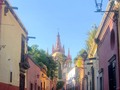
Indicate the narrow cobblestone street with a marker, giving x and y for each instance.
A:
(59, 45)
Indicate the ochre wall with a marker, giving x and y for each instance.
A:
(10, 56)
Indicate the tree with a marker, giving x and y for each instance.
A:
(51, 66)
(89, 42)
(60, 85)
(91, 37)
(43, 60)
(82, 54)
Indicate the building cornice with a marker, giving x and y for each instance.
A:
(15, 16)
(104, 23)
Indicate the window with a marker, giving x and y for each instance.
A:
(92, 72)
(38, 87)
(101, 79)
(90, 86)
(35, 85)
(112, 39)
(41, 85)
(112, 73)
(101, 83)
(44, 85)
(22, 82)
(10, 76)
(22, 48)
(31, 86)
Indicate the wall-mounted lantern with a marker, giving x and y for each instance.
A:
(98, 5)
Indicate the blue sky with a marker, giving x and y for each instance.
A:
(72, 18)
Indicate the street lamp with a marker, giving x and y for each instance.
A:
(98, 5)
(112, 2)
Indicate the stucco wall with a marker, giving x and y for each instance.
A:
(10, 56)
(33, 75)
(105, 52)
(36, 75)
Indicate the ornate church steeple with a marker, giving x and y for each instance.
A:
(69, 56)
(53, 49)
(63, 49)
(58, 47)
(64, 61)
(58, 43)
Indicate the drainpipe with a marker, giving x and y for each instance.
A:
(116, 16)
(118, 36)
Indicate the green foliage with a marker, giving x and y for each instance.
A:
(91, 37)
(75, 59)
(42, 65)
(80, 54)
(51, 66)
(60, 85)
(43, 60)
(89, 42)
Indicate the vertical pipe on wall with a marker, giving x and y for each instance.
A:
(117, 28)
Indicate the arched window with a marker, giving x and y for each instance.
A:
(112, 39)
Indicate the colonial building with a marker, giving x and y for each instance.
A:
(36, 76)
(63, 61)
(13, 47)
(108, 48)
(79, 73)
(91, 67)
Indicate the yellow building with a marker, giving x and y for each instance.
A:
(13, 47)
(45, 80)
(79, 73)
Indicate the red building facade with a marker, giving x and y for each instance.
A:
(107, 40)
(33, 76)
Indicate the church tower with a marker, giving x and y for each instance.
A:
(58, 47)
(69, 60)
(63, 61)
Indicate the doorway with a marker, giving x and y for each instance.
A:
(112, 73)
(22, 82)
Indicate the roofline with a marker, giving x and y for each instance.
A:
(41, 69)
(16, 17)
(103, 21)
(33, 61)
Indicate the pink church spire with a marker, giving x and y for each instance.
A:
(58, 47)
(53, 49)
(58, 43)
(69, 56)
(63, 49)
